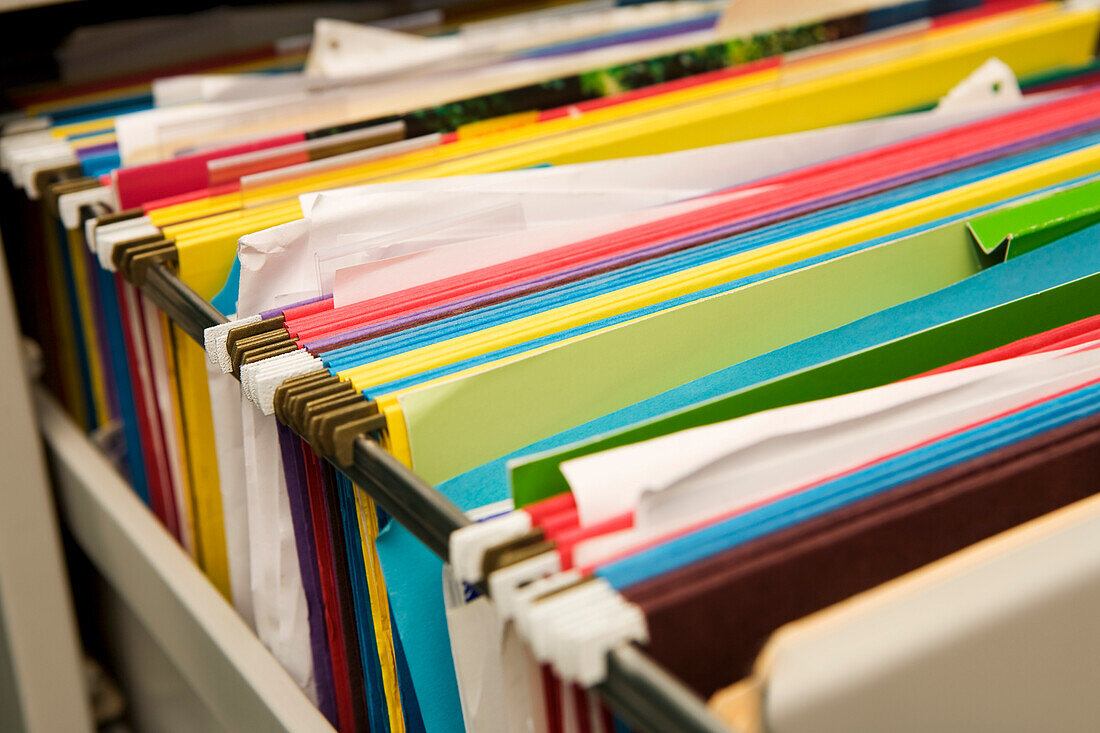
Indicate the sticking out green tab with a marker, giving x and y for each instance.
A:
(1016, 230)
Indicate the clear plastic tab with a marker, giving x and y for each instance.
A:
(234, 168)
(324, 173)
(271, 117)
(356, 255)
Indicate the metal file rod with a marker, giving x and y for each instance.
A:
(436, 516)
(650, 699)
(636, 687)
(180, 303)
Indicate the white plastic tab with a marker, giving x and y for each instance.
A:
(524, 597)
(583, 653)
(273, 366)
(69, 204)
(276, 365)
(504, 582)
(268, 381)
(273, 371)
(990, 82)
(12, 145)
(107, 237)
(89, 234)
(27, 167)
(25, 125)
(468, 544)
(575, 629)
(565, 605)
(214, 340)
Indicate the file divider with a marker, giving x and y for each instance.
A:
(636, 688)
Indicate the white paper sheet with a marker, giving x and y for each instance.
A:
(613, 482)
(343, 49)
(171, 40)
(486, 227)
(356, 61)
(277, 105)
(283, 258)
(154, 338)
(278, 599)
(225, 412)
(477, 646)
(702, 474)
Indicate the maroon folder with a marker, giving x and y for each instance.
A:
(708, 621)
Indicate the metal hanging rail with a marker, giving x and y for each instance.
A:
(636, 687)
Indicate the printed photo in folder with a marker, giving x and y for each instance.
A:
(595, 366)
